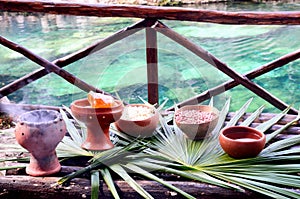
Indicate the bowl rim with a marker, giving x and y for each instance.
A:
(214, 110)
(29, 114)
(84, 100)
(227, 139)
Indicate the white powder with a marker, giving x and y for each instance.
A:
(137, 113)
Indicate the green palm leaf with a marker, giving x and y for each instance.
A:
(110, 183)
(126, 177)
(95, 184)
(145, 173)
(205, 160)
(263, 127)
(259, 187)
(74, 132)
(239, 113)
(275, 133)
(252, 117)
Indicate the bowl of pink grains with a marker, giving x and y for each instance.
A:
(196, 121)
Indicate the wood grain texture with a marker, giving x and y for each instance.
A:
(27, 187)
(169, 13)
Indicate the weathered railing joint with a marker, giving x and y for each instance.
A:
(169, 13)
(152, 62)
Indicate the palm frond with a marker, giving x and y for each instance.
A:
(127, 178)
(204, 161)
(239, 113)
(275, 133)
(252, 117)
(263, 127)
(212, 166)
(150, 176)
(259, 187)
(281, 144)
(95, 184)
(72, 130)
(109, 182)
(186, 172)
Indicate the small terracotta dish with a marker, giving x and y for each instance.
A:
(242, 142)
(196, 121)
(138, 120)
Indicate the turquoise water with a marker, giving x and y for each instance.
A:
(121, 68)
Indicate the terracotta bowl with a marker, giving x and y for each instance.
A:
(190, 124)
(138, 127)
(242, 142)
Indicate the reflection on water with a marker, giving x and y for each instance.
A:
(121, 67)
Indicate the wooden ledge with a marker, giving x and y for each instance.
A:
(27, 187)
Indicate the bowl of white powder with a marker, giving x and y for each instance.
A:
(138, 120)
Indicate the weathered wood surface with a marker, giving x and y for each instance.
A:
(19, 185)
(26, 187)
(16, 184)
(170, 13)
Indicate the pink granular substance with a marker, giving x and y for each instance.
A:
(194, 117)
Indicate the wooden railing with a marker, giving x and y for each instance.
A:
(151, 17)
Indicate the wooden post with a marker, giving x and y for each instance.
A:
(152, 66)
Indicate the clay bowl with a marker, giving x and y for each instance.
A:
(82, 110)
(188, 119)
(132, 123)
(242, 142)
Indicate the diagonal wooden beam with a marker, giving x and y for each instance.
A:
(232, 83)
(64, 61)
(49, 66)
(209, 58)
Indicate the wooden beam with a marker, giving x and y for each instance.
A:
(27, 187)
(64, 61)
(251, 75)
(170, 13)
(152, 64)
(50, 67)
(212, 60)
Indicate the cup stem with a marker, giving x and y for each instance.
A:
(43, 166)
(97, 138)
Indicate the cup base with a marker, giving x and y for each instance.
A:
(43, 166)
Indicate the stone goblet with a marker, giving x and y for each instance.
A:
(39, 132)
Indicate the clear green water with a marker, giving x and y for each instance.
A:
(121, 67)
